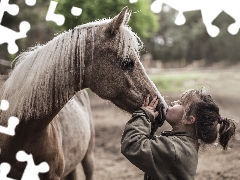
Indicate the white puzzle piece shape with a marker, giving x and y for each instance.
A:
(31, 171)
(30, 2)
(12, 9)
(12, 123)
(51, 16)
(4, 105)
(7, 35)
(4, 170)
(209, 10)
(59, 19)
(76, 11)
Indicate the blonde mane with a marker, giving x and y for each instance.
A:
(47, 76)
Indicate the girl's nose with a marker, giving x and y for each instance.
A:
(174, 103)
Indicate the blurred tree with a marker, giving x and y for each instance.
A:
(40, 32)
(191, 41)
(143, 21)
(163, 39)
(225, 46)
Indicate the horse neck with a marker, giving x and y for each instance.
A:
(46, 79)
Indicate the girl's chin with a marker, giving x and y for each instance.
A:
(169, 122)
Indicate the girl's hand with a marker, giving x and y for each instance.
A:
(151, 107)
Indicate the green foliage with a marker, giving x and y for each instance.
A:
(41, 31)
(172, 82)
(191, 40)
(162, 38)
(143, 21)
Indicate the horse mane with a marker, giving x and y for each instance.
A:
(46, 76)
(138, 45)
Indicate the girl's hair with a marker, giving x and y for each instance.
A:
(201, 105)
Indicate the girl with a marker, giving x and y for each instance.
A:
(174, 154)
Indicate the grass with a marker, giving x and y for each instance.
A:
(172, 82)
(179, 81)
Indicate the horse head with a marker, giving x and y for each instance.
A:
(113, 69)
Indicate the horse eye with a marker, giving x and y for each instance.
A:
(127, 63)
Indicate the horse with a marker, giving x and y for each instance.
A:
(209, 10)
(103, 56)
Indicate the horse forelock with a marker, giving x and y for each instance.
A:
(126, 33)
(129, 41)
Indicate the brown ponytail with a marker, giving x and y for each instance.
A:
(202, 106)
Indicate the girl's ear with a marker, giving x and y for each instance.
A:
(191, 120)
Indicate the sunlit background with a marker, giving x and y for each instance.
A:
(187, 45)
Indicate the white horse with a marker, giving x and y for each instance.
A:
(102, 56)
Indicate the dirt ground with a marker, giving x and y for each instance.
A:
(214, 163)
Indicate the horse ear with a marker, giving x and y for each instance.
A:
(117, 21)
(127, 18)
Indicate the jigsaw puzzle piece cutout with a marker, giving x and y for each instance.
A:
(133, 1)
(4, 170)
(76, 11)
(234, 28)
(30, 2)
(209, 10)
(208, 15)
(231, 7)
(58, 18)
(31, 171)
(12, 9)
(9, 36)
(12, 123)
(180, 19)
(4, 105)
(51, 16)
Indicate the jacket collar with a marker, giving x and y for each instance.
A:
(176, 133)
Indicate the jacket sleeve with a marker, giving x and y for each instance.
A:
(153, 156)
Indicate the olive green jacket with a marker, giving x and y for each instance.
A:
(170, 156)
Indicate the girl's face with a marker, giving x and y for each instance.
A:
(174, 113)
